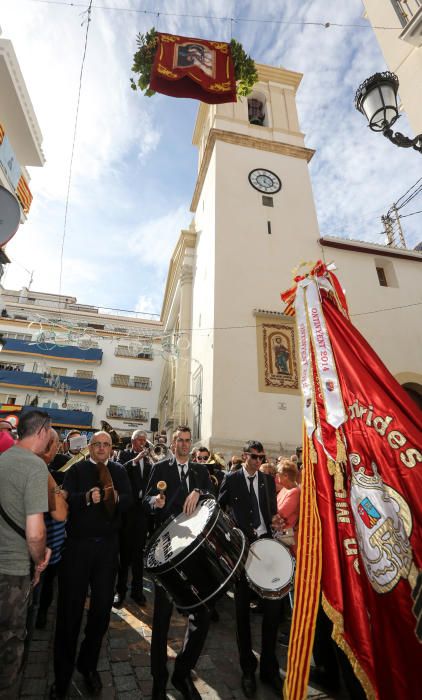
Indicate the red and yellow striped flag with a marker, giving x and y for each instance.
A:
(307, 585)
(24, 194)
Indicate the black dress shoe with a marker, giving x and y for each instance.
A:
(118, 600)
(274, 681)
(158, 692)
(57, 693)
(92, 681)
(185, 686)
(249, 685)
(139, 598)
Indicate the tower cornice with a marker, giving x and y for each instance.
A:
(285, 149)
(270, 74)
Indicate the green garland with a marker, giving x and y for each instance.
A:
(244, 67)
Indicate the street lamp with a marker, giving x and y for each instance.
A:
(376, 98)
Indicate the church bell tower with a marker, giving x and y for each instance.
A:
(255, 221)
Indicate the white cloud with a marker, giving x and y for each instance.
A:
(153, 241)
(146, 304)
(112, 118)
(127, 205)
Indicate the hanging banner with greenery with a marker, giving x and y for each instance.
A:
(179, 66)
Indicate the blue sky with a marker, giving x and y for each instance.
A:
(134, 166)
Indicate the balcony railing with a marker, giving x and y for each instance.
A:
(50, 350)
(412, 26)
(143, 383)
(140, 414)
(138, 353)
(36, 402)
(44, 382)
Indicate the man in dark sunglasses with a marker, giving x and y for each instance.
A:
(251, 500)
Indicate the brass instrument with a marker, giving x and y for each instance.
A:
(214, 479)
(107, 428)
(83, 454)
(157, 452)
(215, 459)
(162, 487)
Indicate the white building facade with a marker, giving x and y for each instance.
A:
(81, 365)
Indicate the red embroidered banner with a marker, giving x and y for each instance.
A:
(187, 67)
(368, 483)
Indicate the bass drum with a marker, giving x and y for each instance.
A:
(195, 557)
(269, 568)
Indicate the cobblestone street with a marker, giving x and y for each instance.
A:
(125, 657)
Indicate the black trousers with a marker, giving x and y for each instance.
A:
(132, 536)
(195, 636)
(90, 562)
(270, 619)
(47, 586)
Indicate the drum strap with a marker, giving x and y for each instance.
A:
(267, 498)
(256, 518)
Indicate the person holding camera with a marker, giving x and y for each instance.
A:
(98, 491)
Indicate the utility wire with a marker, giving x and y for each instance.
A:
(97, 332)
(398, 203)
(73, 143)
(259, 20)
(404, 216)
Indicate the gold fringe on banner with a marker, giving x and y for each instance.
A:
(335, 470)
(312, 451)
(341, 448)
(307, 585)
(338, 636)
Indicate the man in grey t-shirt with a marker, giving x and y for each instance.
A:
(24, 499)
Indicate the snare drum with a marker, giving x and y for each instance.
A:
(269, 568)
(195, 557)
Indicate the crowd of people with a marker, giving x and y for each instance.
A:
(84, 520)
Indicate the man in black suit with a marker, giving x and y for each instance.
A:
(62, 458)
(185, 481)
(98, 491)
(250, 497)
(134, 530)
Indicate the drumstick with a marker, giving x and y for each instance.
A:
(162, 486)
(254, 554)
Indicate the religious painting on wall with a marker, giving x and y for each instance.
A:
(277, 362)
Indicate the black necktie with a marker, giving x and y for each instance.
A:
(255, 516)
(183, 477)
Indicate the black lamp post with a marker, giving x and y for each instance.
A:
(376, 98)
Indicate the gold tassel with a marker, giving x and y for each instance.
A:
(312, 451)
(341, 449)
(331, 465)
(335, 470)
(338, 478)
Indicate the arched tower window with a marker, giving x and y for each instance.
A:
(257, 110)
